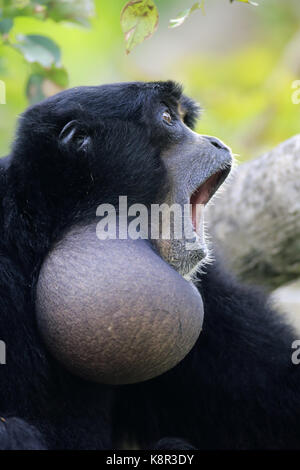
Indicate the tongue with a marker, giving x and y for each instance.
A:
(199, 199)
(203, 194)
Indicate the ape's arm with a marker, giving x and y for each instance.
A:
(16, 434)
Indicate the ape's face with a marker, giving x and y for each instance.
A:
(89, 145)
(196, 167)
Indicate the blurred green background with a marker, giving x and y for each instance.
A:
(239, 61)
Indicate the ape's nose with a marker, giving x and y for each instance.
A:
(217, 143)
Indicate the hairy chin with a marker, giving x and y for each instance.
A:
(187, 262)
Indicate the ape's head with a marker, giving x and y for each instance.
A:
(89, 145)
(114, 310)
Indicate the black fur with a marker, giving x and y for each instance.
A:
(236, 389)
(16, 434)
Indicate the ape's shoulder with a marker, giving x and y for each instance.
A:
(4, 163)
(3, 166)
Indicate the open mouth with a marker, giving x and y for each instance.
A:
(203, 195)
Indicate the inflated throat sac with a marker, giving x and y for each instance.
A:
(113, 311)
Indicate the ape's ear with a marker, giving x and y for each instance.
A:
(75, 135)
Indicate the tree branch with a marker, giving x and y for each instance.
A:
(256, 221)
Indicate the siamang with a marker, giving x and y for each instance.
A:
(237, 388)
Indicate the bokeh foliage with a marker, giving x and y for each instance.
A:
(246, 90)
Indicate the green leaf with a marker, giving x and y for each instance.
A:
(59, 76)
(139, 20)
(180, 19)
(6, 25)
(43, 83)
(75, 11)
(14, 8)
(34, 89)
(39, 49)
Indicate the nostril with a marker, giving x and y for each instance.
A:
(217, 143)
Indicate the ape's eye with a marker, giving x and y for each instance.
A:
(167, 117)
